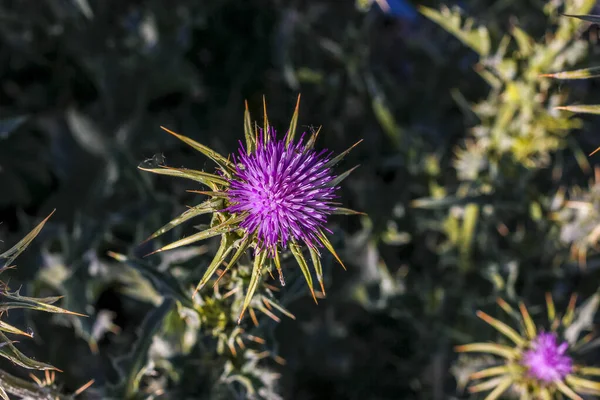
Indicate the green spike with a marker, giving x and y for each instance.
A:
(323, 239)
(224, 163)
(338, 179)
(297, 252)
(293, 124)
(11, 329)
(278, 267)
(588, 18)
(254, 279)
(346, 211)
(205, 178)
(248, 132)
(9, 351)
(14, 252)
(340, 156)
(266, 136)
(584, 73)
(211, 232)
(203, 208)
(316, 260)
(582, 108)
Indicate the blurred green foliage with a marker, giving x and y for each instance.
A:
(473, 175)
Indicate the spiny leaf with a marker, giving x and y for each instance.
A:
(583, 108)
(584, 73)
(9, 351)
(11, 329)
(316, 260)
(567, 391)
(500, 389)
(581, 383)
(477, 39)
(341, 177)
(254, 280)
(223, 162)
(266, 136)
(33, 303)
(248, 132)
(278, 267)
(489, 372)
(588, 18)
(529, 325)
(487, 385)
(502, 328)
(165, 283)
(297, 252)
(214, 231)
(323, 239)
(293, 124)
(12, 253)
(340, 156)
(203, 208)
(346, 211)
(225, 248)
(205, 178)
(491, 348)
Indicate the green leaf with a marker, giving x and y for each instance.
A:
(297, 252)
(12, 253)
(346, 211)
(32, 303)
(323, 239)
(313, 138)
(584, 73)
(9, 351)
(205, 178)
(203, 208)
(165, 283)
(588, 18)
(340, 156)
(583, 108)
(293, 124)
(214, 231)
(316, 260)
(249, 132)
(477, 39)
(224, 163)
(266, 136)
(338, 179)
(11, 329)
(254, 280)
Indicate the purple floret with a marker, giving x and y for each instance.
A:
(285, 191)
(546, 360)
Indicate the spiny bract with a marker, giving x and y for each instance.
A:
(275, 195)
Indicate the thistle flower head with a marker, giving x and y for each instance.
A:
(276, 194)
(547, 360)
(539, 364)
(284, 190)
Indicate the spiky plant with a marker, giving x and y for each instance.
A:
(540, 362)
(8, 350)
(275, 195)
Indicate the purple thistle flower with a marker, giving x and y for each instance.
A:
(285, 191)
(546, 360)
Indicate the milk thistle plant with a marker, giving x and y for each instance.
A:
(540, 364)
(275, 195)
